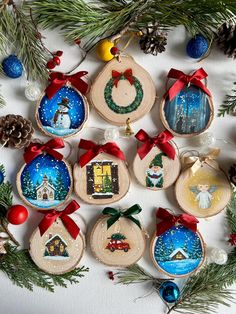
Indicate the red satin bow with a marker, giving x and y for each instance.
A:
(51, 216)
(128, 74)
(34, 149)
(169, 221)
(184, 79)
(93, 150)
(161, 141)
(59, 79)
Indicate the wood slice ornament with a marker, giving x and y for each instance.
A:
(101, 175)
(156, 164)
(117, 239)
(177, 248)
(203, 189)
(62, 111)
(45, 180)
(57, 245)
(123, 90)
(187, 109)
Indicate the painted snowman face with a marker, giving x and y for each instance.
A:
(63, 108)
(203, 187)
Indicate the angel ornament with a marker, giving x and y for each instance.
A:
(203, 194)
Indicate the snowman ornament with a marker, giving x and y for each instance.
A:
(61, 119)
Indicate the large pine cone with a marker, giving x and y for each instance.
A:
(226, 39)
(153, 40)
(15, 131)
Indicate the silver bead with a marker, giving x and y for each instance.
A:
(205, 139)
(218, 256)
(111, 134)
(32, 92)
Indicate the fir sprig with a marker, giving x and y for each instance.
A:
(2, 101)
(229, 105)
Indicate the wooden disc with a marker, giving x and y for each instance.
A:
(178, 252)
(45, 182)
(156, 171)
(204, 193)
(56, 252)
(190, 112)
(126, 100)
(104, 180)
(123, 244)
(56, 119)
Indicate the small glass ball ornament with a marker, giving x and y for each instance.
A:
(111, 134)
(205, 139)
(12, 66)
(218, 256)
(1, 177)
(169, 292)
(32, 91)
(197, 47)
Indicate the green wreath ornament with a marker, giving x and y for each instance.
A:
(121, 109)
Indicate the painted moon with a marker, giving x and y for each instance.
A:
(123, 244)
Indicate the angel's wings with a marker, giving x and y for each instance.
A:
(194, 189)
(212, 188)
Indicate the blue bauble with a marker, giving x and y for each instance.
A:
(197, 47)
(12, 66)
(169, 292)
(1, 177)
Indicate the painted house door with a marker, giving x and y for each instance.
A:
(45, 196)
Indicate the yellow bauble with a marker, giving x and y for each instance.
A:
(104, 50)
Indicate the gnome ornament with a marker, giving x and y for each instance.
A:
(61, 119)
(154, 175)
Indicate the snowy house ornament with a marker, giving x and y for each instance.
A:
(45, 180)
(57, 245)
(177, 248)
(156, 164)
(118, 239)
(187, 109)
(63, 109)
(202, 189)
(101, 175)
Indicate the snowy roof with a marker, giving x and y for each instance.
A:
(179, 250)
(56, 235)
(48, 184)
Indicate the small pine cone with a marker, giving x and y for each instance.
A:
(15, 131)
(152, 40)
(226, 39)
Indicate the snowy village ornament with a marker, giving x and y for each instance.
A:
(123, 90)
(63, 110)
(45, 180)
(57, 245)
(187, 108)
(156, 164)
(177, 248)
(117, 239)
(203, 189)
(101, 175)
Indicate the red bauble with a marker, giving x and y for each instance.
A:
(17, 214)
(56, 60)
(59, 53)
(50, 65)
(78, 41)
(114, 50)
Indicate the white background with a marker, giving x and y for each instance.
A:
(96, 293)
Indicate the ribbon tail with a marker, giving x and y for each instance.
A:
(112, 220)
(53, 88)
(163, 226)
(136, 221)
(71, 226)
(45, 223)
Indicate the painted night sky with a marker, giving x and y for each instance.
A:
(189, 112)
(48, 107)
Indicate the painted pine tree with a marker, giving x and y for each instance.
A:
(196, 251)
(107, 184)
(28, 188)
(60, 189)
(118, 236)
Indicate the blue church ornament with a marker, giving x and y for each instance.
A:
(169, 292)
(12, 66)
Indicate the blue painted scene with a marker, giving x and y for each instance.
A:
(64, 113)
(178, 251)
(189, 112)
(45, 181)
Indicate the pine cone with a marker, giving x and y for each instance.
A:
(226, 39)
(152, 40)
(15, 131)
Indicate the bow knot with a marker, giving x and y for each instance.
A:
(116, 214)
(169, 221)
(58, 80)
(50, 216)
(93, 150)
(161, 141)
(35, 149)
(185, 79)
(128, 74)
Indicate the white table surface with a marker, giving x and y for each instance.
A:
(96, 293)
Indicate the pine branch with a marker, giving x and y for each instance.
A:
(21, 270)
(231, 213)
(2, 101)
(229, 105)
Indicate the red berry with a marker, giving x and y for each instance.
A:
(56, 60)
(50, 65)
(78, 41)
(17, 214)
(59, 53)
(114, 50)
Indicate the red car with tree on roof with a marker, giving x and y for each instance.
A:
(117, 243)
